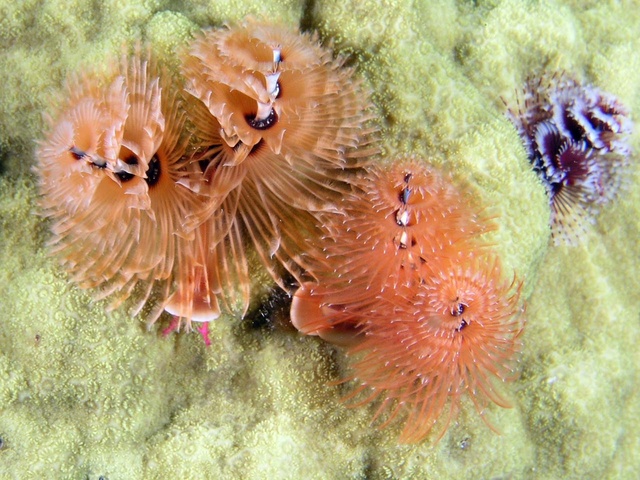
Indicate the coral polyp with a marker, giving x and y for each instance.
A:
(576, 140)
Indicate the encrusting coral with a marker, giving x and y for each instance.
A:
(575, 137)
(87, 394)
(407, 286)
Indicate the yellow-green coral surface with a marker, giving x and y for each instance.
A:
(86, 394)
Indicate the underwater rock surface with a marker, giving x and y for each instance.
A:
(88, 394)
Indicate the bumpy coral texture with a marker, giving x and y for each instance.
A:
(575, 137)
(279, 120)
(89, 395)
(415, 296)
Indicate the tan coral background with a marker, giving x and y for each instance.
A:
(88, 394)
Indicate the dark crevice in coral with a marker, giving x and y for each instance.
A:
(3, 160)
(308, 19)
(273, 305)
(16, 157)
